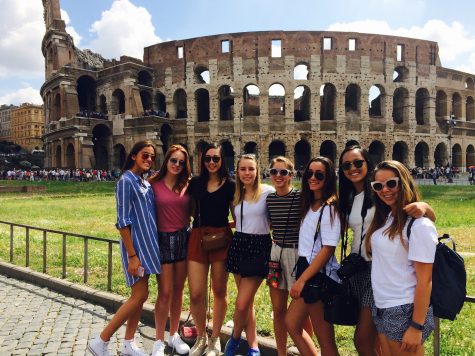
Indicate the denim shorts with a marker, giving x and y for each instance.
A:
(393, 322)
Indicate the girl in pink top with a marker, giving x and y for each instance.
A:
(173, 220)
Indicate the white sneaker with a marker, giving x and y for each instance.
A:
(129, 348)
(177, 344)
(214, 347)
(158, 348)
(98, 347)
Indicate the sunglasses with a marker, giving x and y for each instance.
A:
(318, 175)
(282, 172)
(358, 163)
(391, 183)
(175, 161)
(146, 156)
(215, 159)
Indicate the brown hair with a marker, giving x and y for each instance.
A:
(184, 176)
(129, 162)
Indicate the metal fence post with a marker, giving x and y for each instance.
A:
(64, 256)
(27, 247)
(86, 267)
(109, 268)
(44, 251)
(11, 243)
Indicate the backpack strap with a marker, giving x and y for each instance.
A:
(409, 227)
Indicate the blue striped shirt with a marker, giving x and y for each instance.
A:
(136, 208)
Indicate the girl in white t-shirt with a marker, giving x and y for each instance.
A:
(401, 274)
(249, 253)
(319, 210)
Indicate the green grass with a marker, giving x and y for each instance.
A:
(89, 209)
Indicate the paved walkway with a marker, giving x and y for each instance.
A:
(38, 321)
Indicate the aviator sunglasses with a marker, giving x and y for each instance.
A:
(358, 163)
(146, 156)
(282, 172)
(215, 159)
(391, 183)
(176, 161)
(318, 175)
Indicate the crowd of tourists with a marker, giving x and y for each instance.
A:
(92, 114)
(60, 174)
(177, 228)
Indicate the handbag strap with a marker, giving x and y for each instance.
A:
(287, 224)
(242, 213)
(317, 232)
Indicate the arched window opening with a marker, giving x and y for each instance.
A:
(276, 99)
(469, 84)
(58, 157)
(70, 159)
(101, 138)
(146, 99)
(86, 89)
(301, 72)
(328, 149)
(276, 148)
(251, 147)
(302, 154)
(351, 143)
(421, 155)
(441, 104)
(202, 75)
(226, 103)
(327, 102)
(440, 155)
(119, 156)
(57, 107)
(376, 152)
(251, 101)
(103, 104)
(165, 133)
(401, 152)
(422, 106)
(456, 156)
(470, 156)
(375, 101)
(470, 109)
(457, 105)
(161, 104)
(202, 104)
(228, 155)
(145, 78)
(118, 102)
(352, 98)
(181, 106)
(400, 105)
(400, 74)
(301, 103)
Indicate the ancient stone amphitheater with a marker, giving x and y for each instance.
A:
(299, 94)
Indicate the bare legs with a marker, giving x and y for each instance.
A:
(366, 338)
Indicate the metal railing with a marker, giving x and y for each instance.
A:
(64, 249)
(436, 339)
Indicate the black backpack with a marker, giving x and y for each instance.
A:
(449, 279)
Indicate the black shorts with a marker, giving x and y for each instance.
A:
(173, 245)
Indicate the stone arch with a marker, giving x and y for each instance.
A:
(422, 106)
(376, 152)
(119, 156)
(302, 99)
(226, 103)
(440, 155)
(202, 74)
(302, 154)
(86, 89)
(101, 138)
(301, 71)
(276, 148)
(376, 101)
(470, 109)
(469, 84)
(251, 147)
(353, 99)
(145, 78)
(441, 104)
(57, 107)
(59, 164)
(456, 155)
(118, 102)
(146, 98)
(327, 102)
(165, 133)
(276, 99)
(457, 106)
(401, 153)
(400, 74)
(103, 104)
(352, 143)
(228, 154)
(161, 102)
(421, 155)
(202, 104)
(251, 104)
(470, 156)
(400, 105)
(181, 105)
(328, 149)
(70, 156)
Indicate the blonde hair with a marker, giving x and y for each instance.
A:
(239, 192)
(288, 164)
(408, 193)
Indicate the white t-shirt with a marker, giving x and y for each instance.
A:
(329, 235)
(255, 217)
(355, 223)
(393, 275)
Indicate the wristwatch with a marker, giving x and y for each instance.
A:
(416, 326)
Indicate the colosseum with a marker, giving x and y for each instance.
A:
(293, 93)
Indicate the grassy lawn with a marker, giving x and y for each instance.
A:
(89, 209)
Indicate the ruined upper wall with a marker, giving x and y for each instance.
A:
(302, 45)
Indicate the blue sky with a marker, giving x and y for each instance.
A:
(115, 27)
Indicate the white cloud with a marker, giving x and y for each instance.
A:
(456, 44)
(21, 31)
(23, 95)
(70, 29)
(124, 29)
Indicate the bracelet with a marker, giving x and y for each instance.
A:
(416, 326)
(133, 256)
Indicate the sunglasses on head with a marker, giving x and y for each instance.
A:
(215, 159)
(282, 172)
(176, 161)
(318, 175)
(146, 156)
(358, 163)
(391, 183)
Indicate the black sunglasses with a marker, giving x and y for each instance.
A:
(175, 161)
(391, 183)
(215, 159)
(358, 163)
(146, 156)
(318, 175)
(282, 172)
